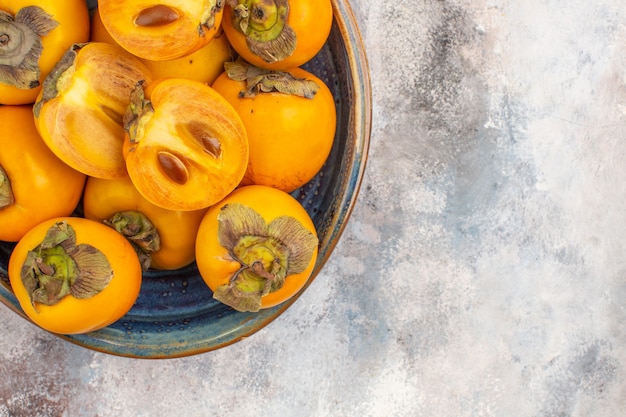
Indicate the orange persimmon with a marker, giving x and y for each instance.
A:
(165, 238)
(35, 35)
(278, 34)
(186, 146)
(80, 110)
(35, 185)
(203, 65)
(72, 275)
(256, 248)
(161, 30)
(290, 118)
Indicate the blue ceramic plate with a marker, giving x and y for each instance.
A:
(175, 314)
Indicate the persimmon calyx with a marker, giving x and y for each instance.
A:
(6, 193)
(259, 80)
(58, 77)
(264, 23)
(58, 267)
(138, 112)
(268, 254)
(208, 19)
(140, 231)
(21, 46)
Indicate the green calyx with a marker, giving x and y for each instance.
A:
(268, 254)
(6, 193)
(264, 23)
(140, 231)
(259, 80)
(21, 46)
(58, 267)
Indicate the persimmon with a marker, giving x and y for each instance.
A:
(161, 30)
(35, 185)
(256, 248)
(33, 37)
(186, 146)
(290, 118)
(165, 239)
(79, 112)
(72, 275)
(203, 65)
(277, 34)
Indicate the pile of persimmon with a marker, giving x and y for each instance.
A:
(152, 135)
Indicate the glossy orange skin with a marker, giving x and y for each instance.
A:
(72, 315)
(177, 229)
(73, 18)
(43, 186)
(184, 112)
(160, 42)
(311, 20)
(215, 264)
(203, 65)
(290, 137)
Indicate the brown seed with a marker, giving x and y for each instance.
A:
(159, 15)
(210, 144)
(173, 167)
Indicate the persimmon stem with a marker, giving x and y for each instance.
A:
(264, 24)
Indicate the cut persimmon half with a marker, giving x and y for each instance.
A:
(162, 30)
(186, 147)
(80, 110)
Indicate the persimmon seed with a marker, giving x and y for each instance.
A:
(210, 144)
(173, 167)
(159, 15)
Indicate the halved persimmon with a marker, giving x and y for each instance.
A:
(80, 109)
(204, 65)
(186, 146)
(161, 30)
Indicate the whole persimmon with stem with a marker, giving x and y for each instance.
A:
(291, 120)
(33, 37)
(277, 34)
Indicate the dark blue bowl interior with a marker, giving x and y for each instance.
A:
(175, 314)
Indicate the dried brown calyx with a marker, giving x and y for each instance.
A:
(59, 267)
(140, 231)
(208, 19)
(259, 80)
(264, 23)
(138, 112)
(21, 46)
(268, 254)
(6, 193)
